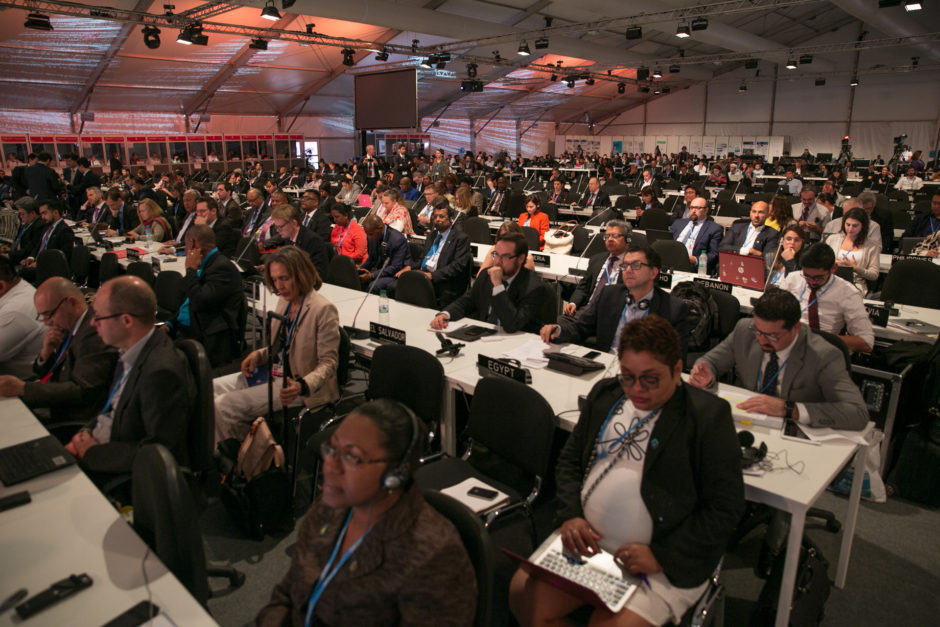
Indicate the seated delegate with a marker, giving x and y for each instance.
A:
(651, 474)
(535, 218)
(371, 551)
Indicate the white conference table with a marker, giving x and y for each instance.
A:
(70, 528)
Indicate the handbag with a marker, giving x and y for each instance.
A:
(810, 590)
(561, 239)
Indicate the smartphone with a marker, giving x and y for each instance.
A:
(137, 615)
(793, 431)
(592, 355)
(483, 493)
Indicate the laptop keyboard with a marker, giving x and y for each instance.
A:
(20, 462)
(608, 587)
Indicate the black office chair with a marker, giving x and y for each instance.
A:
(246, 253)
(167, 287)
(605, 215)
(729, 312)
(839, 343)
(415, 288)
(49, 263)
(109, 268)
(477, 229)
(913, 282)
(342, 272)
(674, 255)
(595, 245)
(479, 548)
(908, 244)
(582, 237)
(81, 264)
(551, 302)
(655, 218)
(167, 519)
(515, 425)
(531, 238)
(142, 270)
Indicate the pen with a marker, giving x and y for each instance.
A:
(645, 580)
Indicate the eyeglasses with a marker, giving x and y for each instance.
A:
(646, 381)
(773, 337)
(696, 206)
(504, 257)
(45, 315)
(821, 278)
(608, 236)
(347, 459)
(96, 318)
(636, 265)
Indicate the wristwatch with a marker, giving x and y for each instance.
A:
(304, 388)
(788, 408)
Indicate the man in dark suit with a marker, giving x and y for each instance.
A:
(401, 164)
(286, 223)
(681, 208)
(507, 294)
(633, 297)
(698, 233)
(499, 201)
(603, 268)
(594, 196)
(315, 217)
(648, 182)
(207, 212)
(228, 206)
(384, 243)
(752, 238)
(26, 243)
(214, 309)
(85, 178)
(152, 393)
(139, 191)
(121, 217)
(446, 257)
(883, 217)
(57, 235)
(74, 366)
(256, 213)
(42, 181)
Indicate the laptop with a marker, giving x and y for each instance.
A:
(744, 270)
(596, 579)
(364, 200)
(31, 459)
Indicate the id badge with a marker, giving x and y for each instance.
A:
(259, 376)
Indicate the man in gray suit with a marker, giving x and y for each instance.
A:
(795, 372)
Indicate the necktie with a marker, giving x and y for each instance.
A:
(813, 309)
(19, 236)
(432, 252)
(604, 278)
(768, 383)
(45, 238)
(307, 218)
(590, 201)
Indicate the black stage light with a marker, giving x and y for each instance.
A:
(151, 37)
(348, 56)
(286, 4)
(270, 12)
(634, 32)
(524, 49)
(642, 73)
(541, 43)
(806, 59)
(382, 56)
(820, 82)
(643, 89)
(621, 87)
(675, 69)
(258, 44)
(750, 64)
(700, 23)
(589, 81)
(38, 21)
(472, 70)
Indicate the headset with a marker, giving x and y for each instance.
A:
(400, 475)
(750, 454)
(643, 305)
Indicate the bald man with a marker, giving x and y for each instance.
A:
(151, 394)
(74, 367)
(752, 238)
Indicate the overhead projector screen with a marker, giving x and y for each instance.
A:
(386, 100)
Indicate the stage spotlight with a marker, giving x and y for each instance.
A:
(806, 59)
(700, 23)
(258, 44)
(541, 43)
(853, 82)
(472, 70)
(642, 73)
(270, 12)
(414, 46)
(820, 82)
(675, 69)
(151, 37)
(570, 84)
(382, 56)
(553, 77)
(348, 56)
(589, 81)
(428, 63)
(524, 49)
(742, 88)
(286, 4)
(913, 6)
(682, 31)
(38, 21)
(791, 64)
(657, 73)
(621, 87)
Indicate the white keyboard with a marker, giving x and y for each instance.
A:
(613, 590)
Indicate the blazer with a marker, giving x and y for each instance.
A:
(654, 185)
(394, 245)
(314, 347)
(155, 407)
(226, 237)
(80, 382)
(815, 375)
(517, 307)
(313, 245)
(923, 225)
(539, 222)
(601, 318)
(232, 212)
(42, 181)
(319, 222)
(585, 288)
(217, 308)
(868, 268)
(411, 569)
(691, 483)
(29, 241)
(452, 274)
(734, 239)
(127, 223)
(602, 199)
(562, 198)
(708, 239)
(61, 238)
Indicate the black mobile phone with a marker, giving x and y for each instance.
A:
(592, 355)
(482, 493)
(137, 615)
(791, 429)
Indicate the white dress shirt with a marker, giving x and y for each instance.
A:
(839, 303)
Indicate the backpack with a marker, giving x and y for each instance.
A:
(703, 313)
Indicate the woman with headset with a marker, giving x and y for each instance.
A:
(371, 551)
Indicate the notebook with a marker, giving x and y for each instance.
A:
(31, 459)
(743, 270)
(595, 579)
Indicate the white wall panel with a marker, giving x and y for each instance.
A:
(686, 105)
(727, 104)
(914, 96)
(802, 100)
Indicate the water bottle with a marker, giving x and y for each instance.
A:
(383, 307)
(148, 236)
(703, 263)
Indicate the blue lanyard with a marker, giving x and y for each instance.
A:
(606, 451)
(933, 229)
(58, 358)
(114, 389)
(290, 329)
(810, 304)
(767, 385)
(329, 571)
(339, 244)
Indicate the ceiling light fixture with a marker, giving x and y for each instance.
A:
(570, 84)
(472, 70)
(524, 49)
(541, 43)
(634, 32)
(270, 12)
(742, 88)
(682, 31)
(185, 37)
(643, 89)
(674, 69)
(884, 4)
(750, 64)
(553, 77)
(642, 73)
(791, 64)
(657, 73)
(348, 56)
(428, 63)
(151, 37)
(820, 82)
(589, 81)
(382, 56)
(853, 82)
(258, 44)
(621, 87)
(913, 6)
(700, 23)
(657, 90)
(286, 4)
(806, 59)
(38, 21)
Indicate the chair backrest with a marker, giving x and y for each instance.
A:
(81, 262)
(247, 252)
(109, 268)
(836, 341)
(582, 237)
(595, 245)
(654, 219)
(479, 547)
(165, 517)
(342, 272)
(513, 421)
(141, 269)
(908, 244)
(342, 369)
(49, 263)
(477, 229)
(415, 288)
(531, 238)
(551, 302)
(913, 282)
(167, 287)
(729, 311)
(202, 423)
(674, 255)
(408, 375)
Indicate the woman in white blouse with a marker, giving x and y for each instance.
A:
(854, 251)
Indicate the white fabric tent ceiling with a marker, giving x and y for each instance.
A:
(103, 65)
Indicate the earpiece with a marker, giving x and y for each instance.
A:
(750, 454)
(643, 305)
(398, 476)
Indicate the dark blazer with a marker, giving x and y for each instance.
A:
(737, 233)
(452, 275)
(602, 200)
(499, 206)
(602, 317)
(396, 247)
(922, 225)
(708, 239)
(562, 197)
(28, 244)
(155, 406)
(217, 309)
(226, 237)
(232, 212)
(42, 181)
(82, 183)
(517, 307)
(320, 223)
(61, 238)
(80, 382)
(129, 222)
(691, 483)
(582, 293)
(312, 244)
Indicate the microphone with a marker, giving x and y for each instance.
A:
(580, 257)
(276, 316)
(447, 346)
(351, 330)
(773, 263)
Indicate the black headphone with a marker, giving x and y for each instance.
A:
(398, 476)
(642, 305)
(750, 454)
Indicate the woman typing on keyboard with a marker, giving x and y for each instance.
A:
(652, 475)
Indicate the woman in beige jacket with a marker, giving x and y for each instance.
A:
(853, 250)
